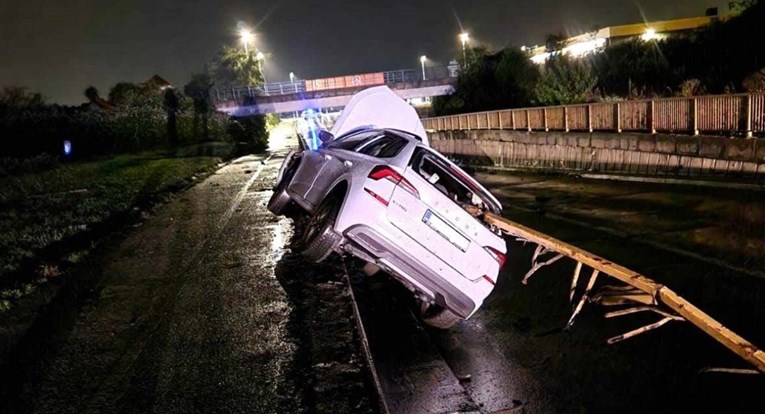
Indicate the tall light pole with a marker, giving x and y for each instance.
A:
(246, 37)
(464, 38)
(423, 58)
(260, 57)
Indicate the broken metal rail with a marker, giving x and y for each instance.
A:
(644, 294)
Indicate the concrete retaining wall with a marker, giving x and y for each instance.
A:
(643, 154)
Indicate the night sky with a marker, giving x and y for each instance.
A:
(60, 47)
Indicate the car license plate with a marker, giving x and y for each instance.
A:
(445, 230)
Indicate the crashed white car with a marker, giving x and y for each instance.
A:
(378, 192)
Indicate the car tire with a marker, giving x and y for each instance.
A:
(439, 317)
(319, 238)
(280, 200)
(370, 269)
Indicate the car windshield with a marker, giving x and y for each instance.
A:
(386, 146)
(352, 141)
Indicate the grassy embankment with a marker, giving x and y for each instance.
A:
(50, 220)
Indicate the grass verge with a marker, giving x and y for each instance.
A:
(51, 219)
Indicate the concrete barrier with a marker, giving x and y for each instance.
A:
(625, 153)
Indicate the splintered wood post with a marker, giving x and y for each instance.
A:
(660, 294)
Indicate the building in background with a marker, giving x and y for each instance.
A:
(595, 41)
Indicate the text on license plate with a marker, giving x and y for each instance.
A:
(445, 230)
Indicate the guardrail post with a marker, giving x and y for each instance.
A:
(565, 118)
(544, 117)
(528, 120)
(651, 122)
(749, 115)
(695, 104)
(589, 117)
(618, 118)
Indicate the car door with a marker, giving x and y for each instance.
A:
(336, 158)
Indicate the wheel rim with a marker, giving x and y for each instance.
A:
(317, 223)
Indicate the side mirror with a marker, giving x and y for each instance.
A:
(325, 136)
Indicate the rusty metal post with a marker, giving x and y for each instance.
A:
(528, 120)
(695, 103)
(565, 118)
(749, 115)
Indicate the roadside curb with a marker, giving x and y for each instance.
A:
(364, 341)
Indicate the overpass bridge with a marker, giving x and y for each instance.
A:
(334, 92)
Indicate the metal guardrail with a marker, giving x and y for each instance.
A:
(742, 114)
(638, 294)
(244, 93)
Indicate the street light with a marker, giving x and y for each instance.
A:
(246, 37)
(423, 58)
(464, 37)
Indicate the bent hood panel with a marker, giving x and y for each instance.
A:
(379, 107)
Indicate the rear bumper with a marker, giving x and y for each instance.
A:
(403, 265)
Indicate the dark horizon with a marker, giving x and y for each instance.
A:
(60, 49)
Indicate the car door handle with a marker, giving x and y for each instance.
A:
(347, 163)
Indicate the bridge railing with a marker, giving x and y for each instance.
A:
(735, 114)
(244, 93)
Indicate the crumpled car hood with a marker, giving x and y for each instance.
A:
(379, 107)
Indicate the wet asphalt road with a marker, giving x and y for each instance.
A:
(203, 308)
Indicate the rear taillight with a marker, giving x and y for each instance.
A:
(498, 256)
(384, 172)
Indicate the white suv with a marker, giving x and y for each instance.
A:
(383, 196)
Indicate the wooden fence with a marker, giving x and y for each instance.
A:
(729, 115)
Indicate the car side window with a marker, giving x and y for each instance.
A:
(386, 146)
(353, 141)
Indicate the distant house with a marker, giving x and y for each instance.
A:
(158, 82)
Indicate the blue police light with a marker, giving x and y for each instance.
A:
(67, 148)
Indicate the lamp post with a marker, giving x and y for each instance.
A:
(464, 37)
(423, 58)
(246, 37)
(260, 57)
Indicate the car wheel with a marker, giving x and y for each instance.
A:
(280, 200)
(438, 316)
(319, 237)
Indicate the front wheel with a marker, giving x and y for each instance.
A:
(280, 200)
(319, 238)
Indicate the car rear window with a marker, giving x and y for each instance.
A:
(386, 146)
(449, 180)
(353, 141)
